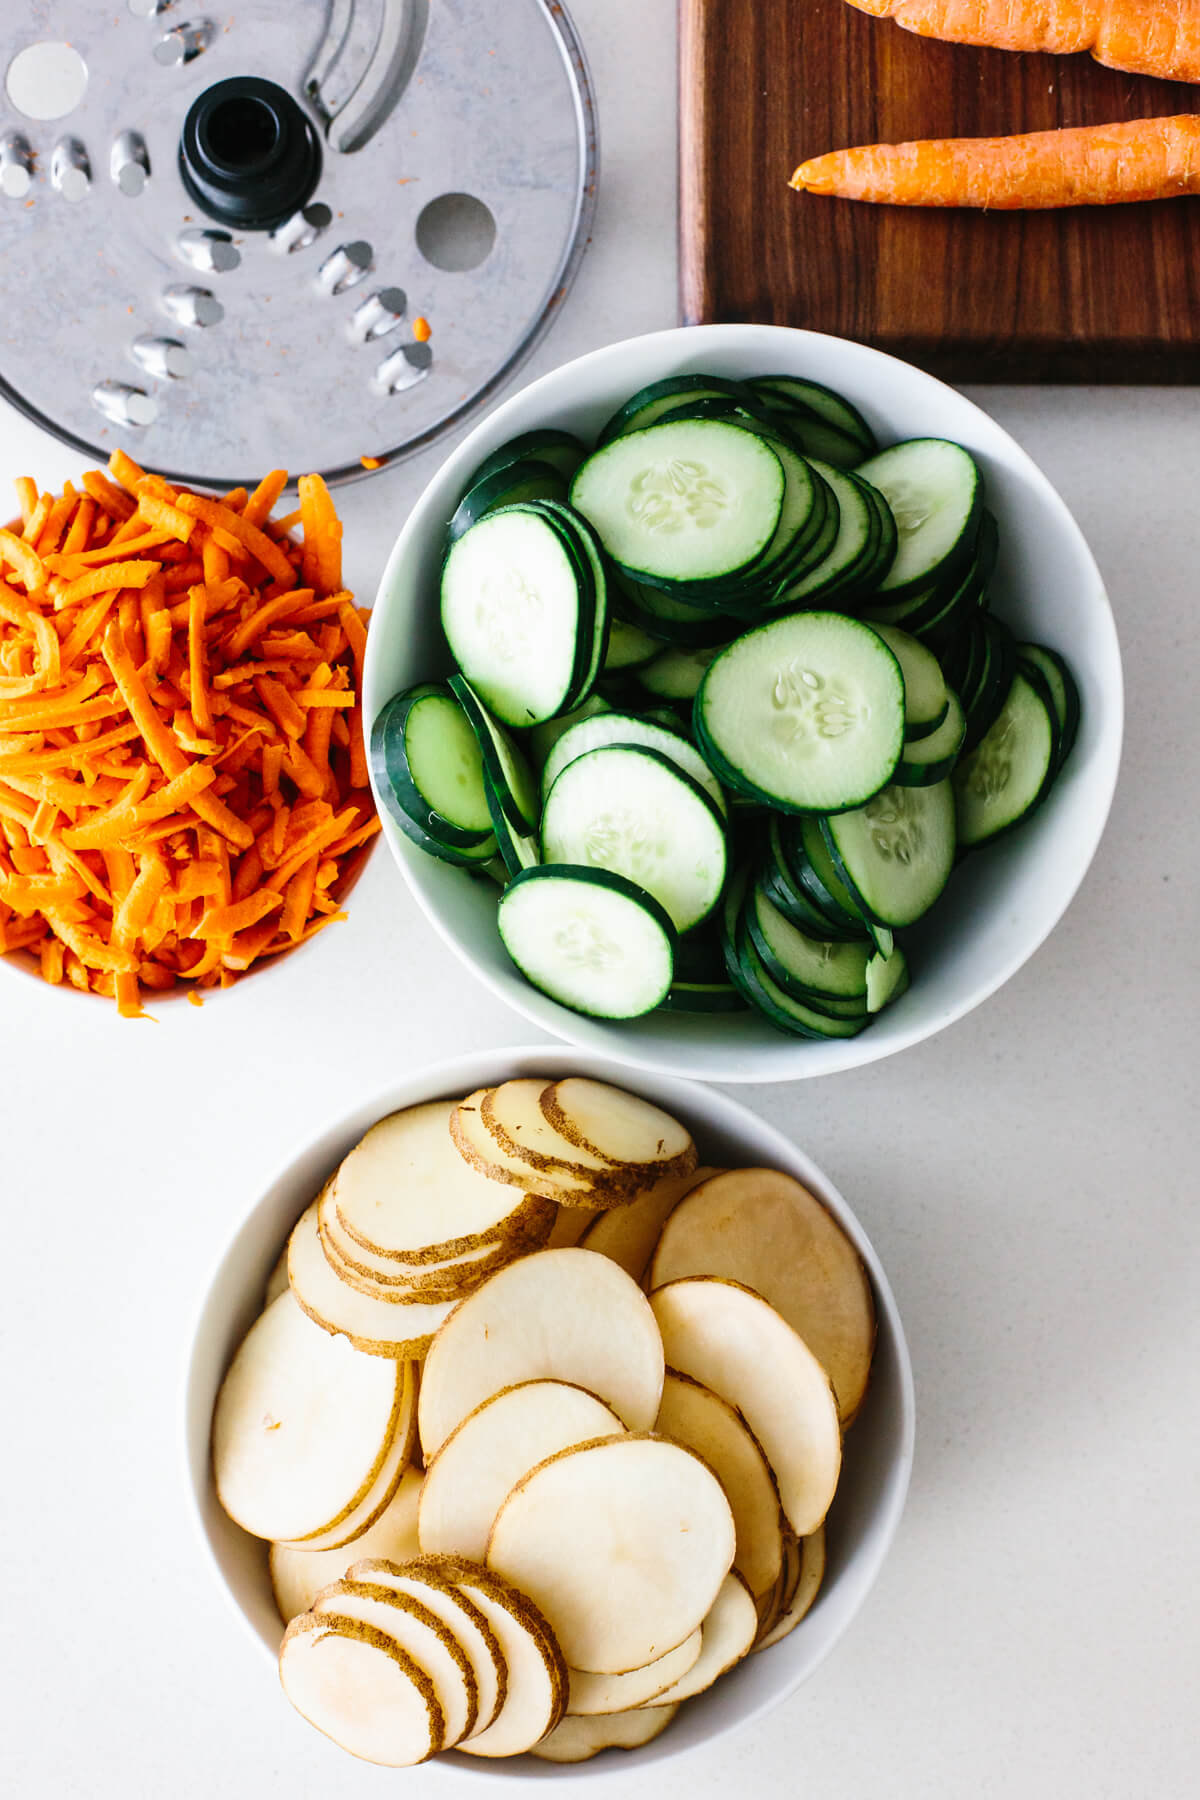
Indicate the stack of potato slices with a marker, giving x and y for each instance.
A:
(542, 1420)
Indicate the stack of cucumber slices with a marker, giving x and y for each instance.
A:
(729, 702)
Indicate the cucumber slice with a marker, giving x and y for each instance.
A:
(519, 850)
(668, 617)
(509, 486)
(402, 802)
(997, 666)
(805, 713)
(858, 534)
(670, 720)
(804, 965)
(626, 728)
(429, 760)
(887, 979)
(932, 758)
(649, 404)
(793, 1016)
(1004, 777)
(788, 895)
(796, 527)
(826, 883)
(692, 501)
(924, 684)
(637, 813)
(896, 853)
(885, 551)
(677, 674)
(585, 548)
(505, 769)
(544, 737)
(810, 548)
(1064, 694)
(516, 610)
(429, 722)
(628, 647)
(800, 541)
(561, 449)
(816, 438)
(820, 402)
(935, 493)
(589, 939)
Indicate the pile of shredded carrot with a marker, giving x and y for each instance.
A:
(183, 782)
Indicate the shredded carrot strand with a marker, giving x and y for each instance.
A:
(198, 662)
(258, 507)
(112, 499)
(23, 558)
(265, 549)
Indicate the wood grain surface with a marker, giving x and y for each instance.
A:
(1104, 294)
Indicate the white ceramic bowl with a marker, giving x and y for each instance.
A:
(1001, 904)
(879, 1447)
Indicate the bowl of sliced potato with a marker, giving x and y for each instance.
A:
(742, 702)
(538, 1412)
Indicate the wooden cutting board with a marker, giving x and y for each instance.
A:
(1105, 294)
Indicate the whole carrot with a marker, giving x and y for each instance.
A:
(1092, 165)
(1145, 37)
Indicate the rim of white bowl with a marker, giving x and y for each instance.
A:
(730, 1118)
(797, 1059)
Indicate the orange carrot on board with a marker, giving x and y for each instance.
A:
(1145, 37)
(1091, 165)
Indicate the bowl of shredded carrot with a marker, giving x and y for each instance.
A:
(183, 787)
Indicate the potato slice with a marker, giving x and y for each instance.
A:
(430, 1287)
(562, 1314)
(361, 1689)
(302, 1426)
(732, 1341)
(277, 1280)
(593, 1694)
(576, 1739)
(461, 1616)
(376, 1327)
(490, 1450)
(627, 1235)
(382, 1490)
(623, 1545)
(537, 1676)
(513, 1117)
(298, 1574)
(386, 1275)
(481, 1149)
(812, 1574)
(571, 1224)
(785, 1587)
(694, 1416)
(727, 1635)
(764, 1229)
(770, 1604)
(628, 1132)
(405, 1192)
(430, 1643)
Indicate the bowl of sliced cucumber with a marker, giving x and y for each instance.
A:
(742, 702)
(574, 1400)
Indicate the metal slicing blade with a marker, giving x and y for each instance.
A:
(458, 166)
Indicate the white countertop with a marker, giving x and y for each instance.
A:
(1028, 1179)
